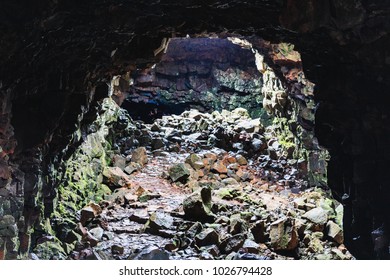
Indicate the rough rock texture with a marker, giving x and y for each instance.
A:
(52, 78)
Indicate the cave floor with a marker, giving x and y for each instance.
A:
(207, 203)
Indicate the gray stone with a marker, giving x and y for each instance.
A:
(241, 160)
(151, 253)
(132, 167)
(232, 244)
(179, 172)
(198, 205)
(158, 220)
(317, 215)
(195, 161)
(157, 143)
(207, 237)
(119, 161)
(97, 232)
(251, 246)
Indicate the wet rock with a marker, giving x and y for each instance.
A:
(151, 253)
(198, 205)
(157, 221)
(283, 235)
(115, 177)
(334, 232)
(219, 167)
(139, 156)
(207, 237)
(317, 216)
(179, 172)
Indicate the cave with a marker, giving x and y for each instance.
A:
(92, 83)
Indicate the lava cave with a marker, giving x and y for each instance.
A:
(194, 129)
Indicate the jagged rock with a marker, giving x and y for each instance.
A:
(334, 232)
(195, 161)
(139, 156)
(317, 216)
(157, 221)
(89, 212)
(97, 232)
(157, 143)
(241, 160)
(117, 249)
(283, 235)
(151, 253)
(237, 225)
(198, 205)
(258, 231)
(116, 178)
(179, 172)
(251, 247)
(132, 167)
(207, 237)
(233, 243)
(194, 230)
(219, 167)
(119, 161)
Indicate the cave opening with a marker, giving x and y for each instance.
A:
(210, 155)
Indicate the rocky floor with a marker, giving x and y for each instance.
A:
(209, 186)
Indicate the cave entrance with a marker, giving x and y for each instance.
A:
(204, 73)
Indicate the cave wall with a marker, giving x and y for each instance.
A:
(56, 51)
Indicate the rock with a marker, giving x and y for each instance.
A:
(179, 172)
(283, 235)
(212, 250)
(119, 161)
(233, 243)
(259, 231)
(241, 112)
(251, 247)
(117, 249)
(195, 161)
(198, 205)
(139, 156)
(207, 237)
(132, 167)
(315, 246)
(151, 253)
(157, 143)
(229, 181)
(97, 232)
(257, 145)
(334, 232)
(241, 160)
(194, 230)
(116, 178)
(250, 126)
(89, 212)
(219, 167)
(317, 216)
(237, 225)
(157, 221)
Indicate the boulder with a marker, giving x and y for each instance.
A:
(179, 172)
(283, 235)
(116, 178)
(198, 205)
(334, 232)
(139, 156)
(207, 237)
(317, 216)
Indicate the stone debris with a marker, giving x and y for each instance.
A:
(208, 186)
